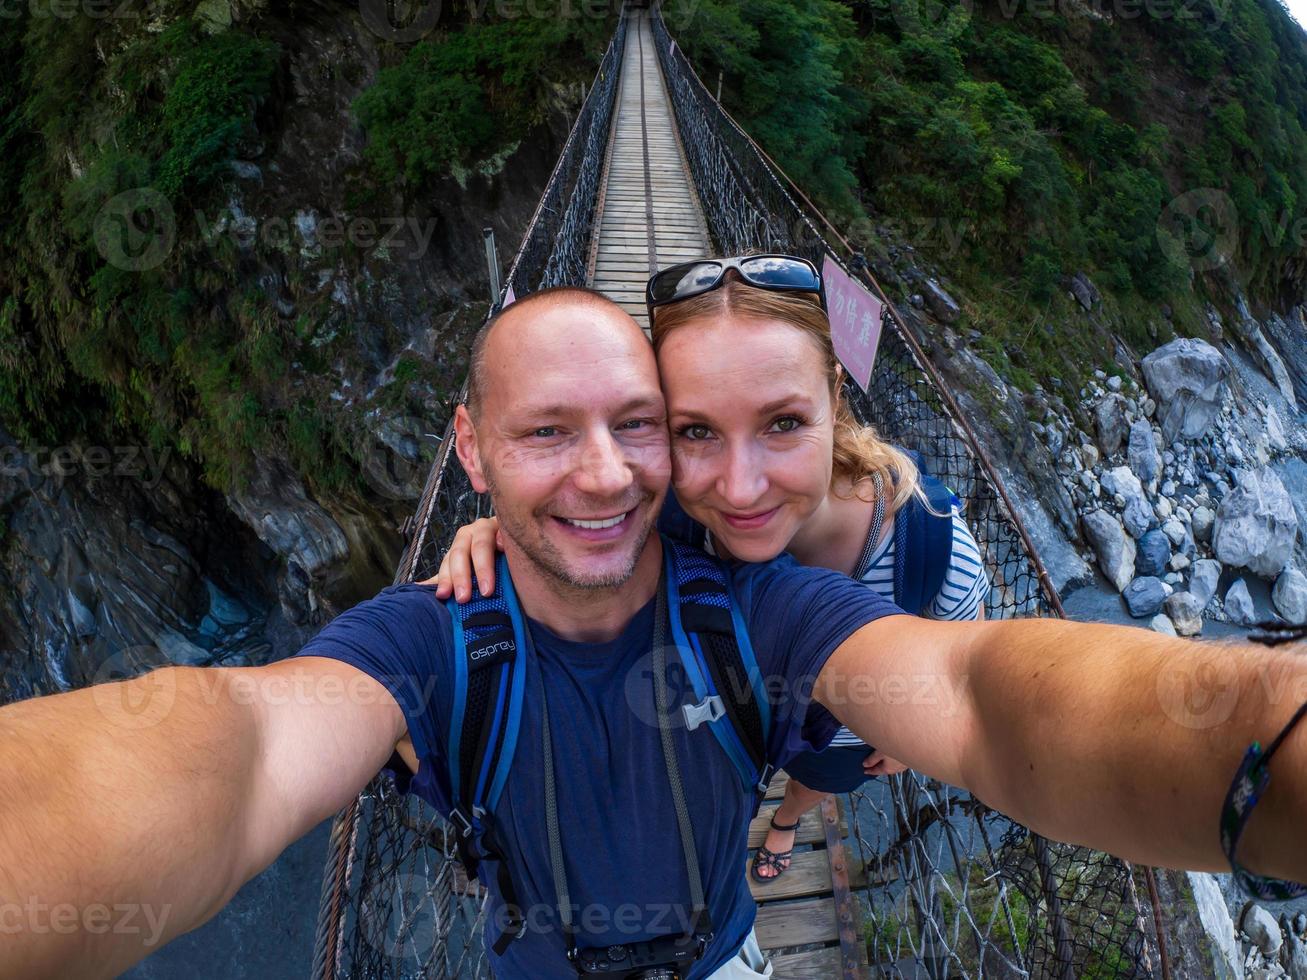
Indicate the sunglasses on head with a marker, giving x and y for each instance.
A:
(779, 273)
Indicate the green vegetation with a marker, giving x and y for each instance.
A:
(124, 313)
(782, 62)
(105, 323)
(465, 95)
(1022, 144)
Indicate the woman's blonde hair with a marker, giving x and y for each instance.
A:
(859, 452)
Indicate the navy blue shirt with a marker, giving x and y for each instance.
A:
(622, 849)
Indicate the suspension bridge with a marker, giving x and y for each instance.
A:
(907, 878)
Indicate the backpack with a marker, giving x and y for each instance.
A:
(709, 634)
(491, 644)
(923, 542)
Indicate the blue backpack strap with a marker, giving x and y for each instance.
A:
(923, 543)
(709, 634)
(490, 651)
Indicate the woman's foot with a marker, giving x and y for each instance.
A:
(773, 859)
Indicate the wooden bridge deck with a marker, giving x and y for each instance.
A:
(648, 214)
(648, 217)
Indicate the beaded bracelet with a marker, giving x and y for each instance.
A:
(1250, 782)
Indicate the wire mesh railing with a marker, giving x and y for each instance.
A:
(953, 888)
(395, 902)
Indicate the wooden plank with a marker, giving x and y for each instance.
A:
(632, 289)
(629, 274)
(809, 874)
(776, 788)
(627, 234)
(810, 829)
(815, 964)
(622, 291)
(618, 265)
(668, 200)
(462, 885)
(636, 217)
(811, 920)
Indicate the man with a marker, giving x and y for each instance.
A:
(171, 790)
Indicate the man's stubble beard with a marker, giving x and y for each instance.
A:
(540, 551)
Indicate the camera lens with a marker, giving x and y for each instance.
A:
(655, 973)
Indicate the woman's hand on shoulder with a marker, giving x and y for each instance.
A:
(472, 552)
(879, 764)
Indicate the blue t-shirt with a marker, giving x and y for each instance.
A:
(621, 846)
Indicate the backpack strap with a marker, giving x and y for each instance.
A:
(490, 650)
(709, 634)
(923, 543)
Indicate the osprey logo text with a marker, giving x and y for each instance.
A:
(494, 648)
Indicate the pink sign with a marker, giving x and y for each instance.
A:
(508, 297)
(854, 321)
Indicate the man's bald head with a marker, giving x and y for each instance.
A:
(553, 297)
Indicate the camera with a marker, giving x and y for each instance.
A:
(664, 958)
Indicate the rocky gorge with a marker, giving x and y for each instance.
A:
(1168, 494)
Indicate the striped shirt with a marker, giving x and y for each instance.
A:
(961, 596)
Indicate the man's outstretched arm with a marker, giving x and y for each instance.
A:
(1110, 736)
(132, 812)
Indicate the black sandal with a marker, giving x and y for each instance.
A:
(772, 859)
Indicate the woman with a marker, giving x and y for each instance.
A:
(768, 458)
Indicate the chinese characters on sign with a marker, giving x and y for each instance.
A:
(854, 321)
